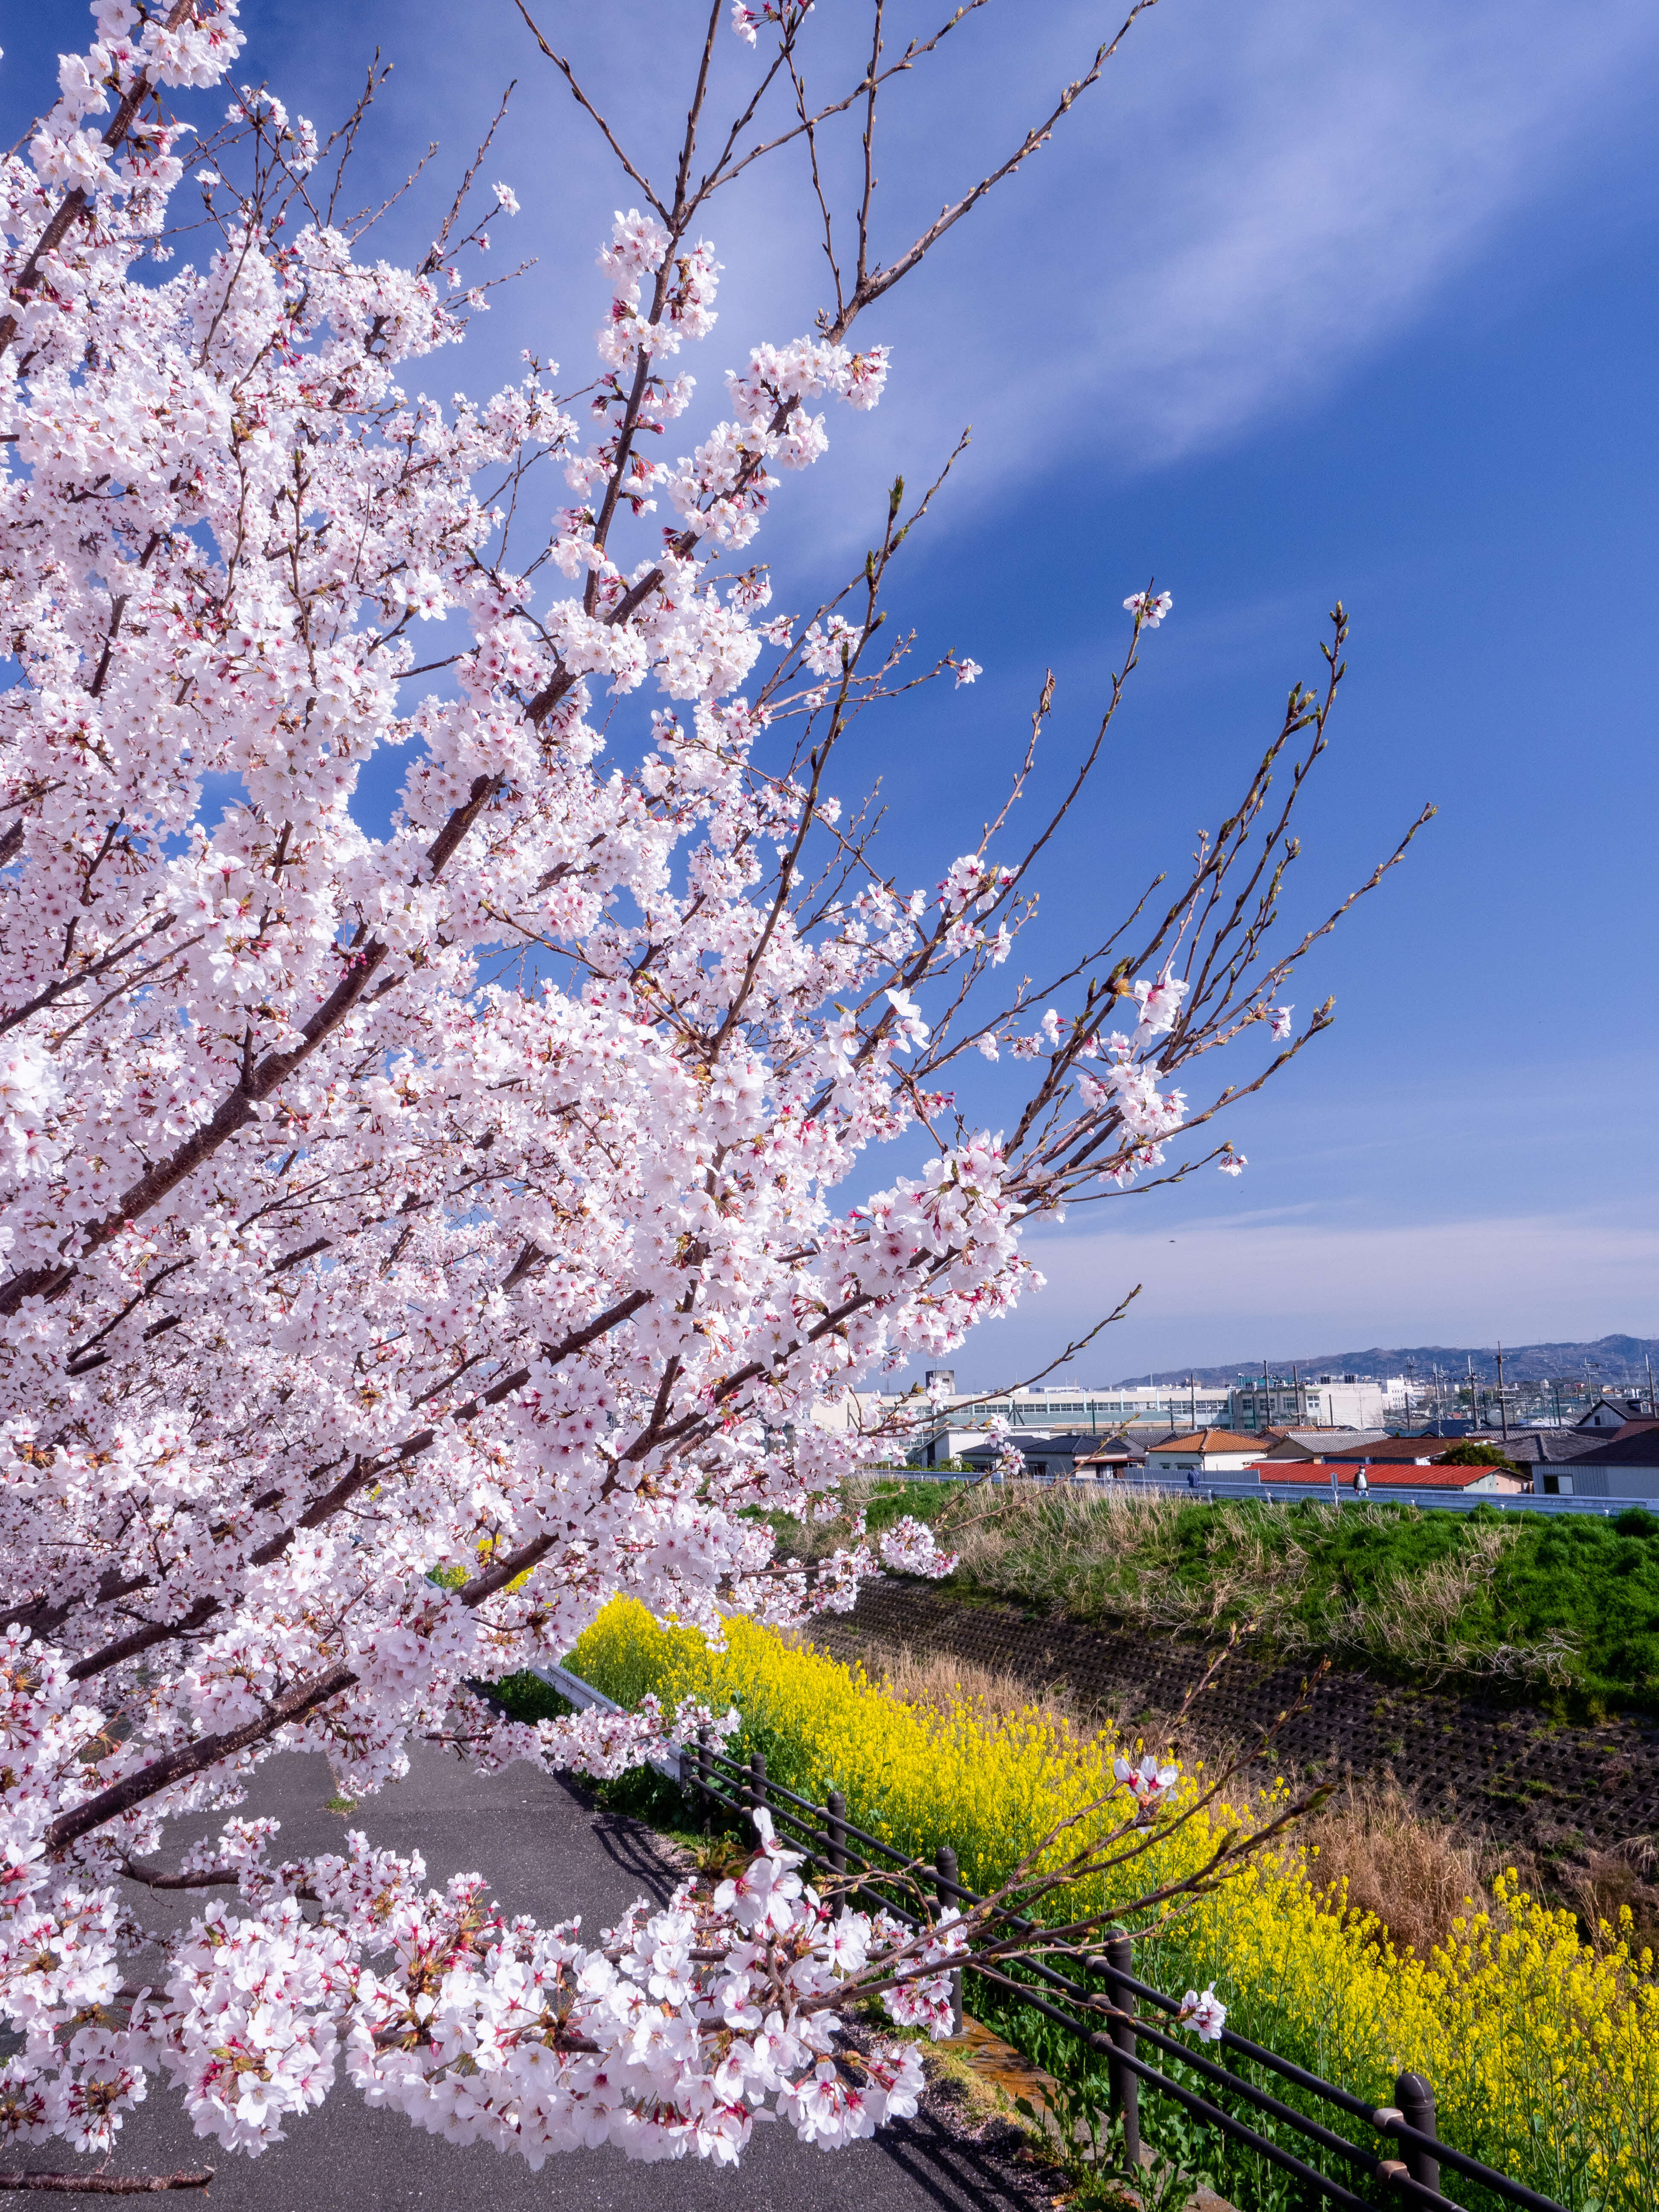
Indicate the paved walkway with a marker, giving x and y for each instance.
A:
(547, 1853)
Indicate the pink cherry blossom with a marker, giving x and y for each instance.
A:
(1146, 1782)
(910, 1547)
(1204, 2013)
(412, 1240)
(1148, 608)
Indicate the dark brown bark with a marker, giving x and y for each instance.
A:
(196, 1757)
(108, 2184)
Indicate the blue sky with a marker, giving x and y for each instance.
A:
(1307, 301)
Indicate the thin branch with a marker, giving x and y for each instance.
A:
(74, 203)
(610, 136)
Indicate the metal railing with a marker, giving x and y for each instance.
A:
(1108, 2011)
(1114, 2015)
(1211, 1489)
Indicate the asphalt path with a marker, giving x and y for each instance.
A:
(546, 1851)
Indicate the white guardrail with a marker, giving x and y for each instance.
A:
(585, 1696)
(1212, 1487)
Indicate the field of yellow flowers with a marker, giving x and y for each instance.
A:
(1544, 2056)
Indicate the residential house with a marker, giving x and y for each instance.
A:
(946, 1442)
(1046, 1452)
(1542, 1454)
(1626, 1465)
(1319, 1443)
(1608, 1414)
(1543, 1451)
(1111, 1459)
(1073, 1451)
(1400, 1451)
(1203, 1451)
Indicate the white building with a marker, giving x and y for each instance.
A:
(1164, 1404)
(1313, 1402)
(852, 1409)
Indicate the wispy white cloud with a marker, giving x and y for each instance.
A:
(1261, 197)
(1252, 200)
(1302, 229)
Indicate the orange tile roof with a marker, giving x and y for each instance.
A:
(1203, 1440)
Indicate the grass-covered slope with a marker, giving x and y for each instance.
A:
(1565, 1611)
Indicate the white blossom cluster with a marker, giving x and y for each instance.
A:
(408, 1243)
(667, 2037)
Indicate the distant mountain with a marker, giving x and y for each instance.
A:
(1612, 1360)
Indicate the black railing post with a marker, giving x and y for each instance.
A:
(1414, 2094)
(945, 1860)
(757, 1790)
(1126, 2083)
(835, 1829)
(705, 1776)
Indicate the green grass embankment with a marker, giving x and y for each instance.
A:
(1562, 1612)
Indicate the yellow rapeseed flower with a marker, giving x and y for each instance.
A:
(1544, 2055)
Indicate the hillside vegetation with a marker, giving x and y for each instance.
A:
(1562, 1612)
(1619, 1362)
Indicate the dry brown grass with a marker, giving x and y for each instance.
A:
(1117, 1551)
(937, 1681)
(1423, 1622)
(1609, 1885)
(1414, 1875)
(1117, 1554)
(1056, 1548)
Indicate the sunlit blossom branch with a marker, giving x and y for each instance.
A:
(414, 1240)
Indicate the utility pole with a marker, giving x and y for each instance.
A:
(1474, 1410)
(1301, 1410)
(1555, 1388)
(1502, 1408)
(1649, 1357)
(1192, 1387)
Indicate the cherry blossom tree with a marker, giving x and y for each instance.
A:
(410, 1241)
